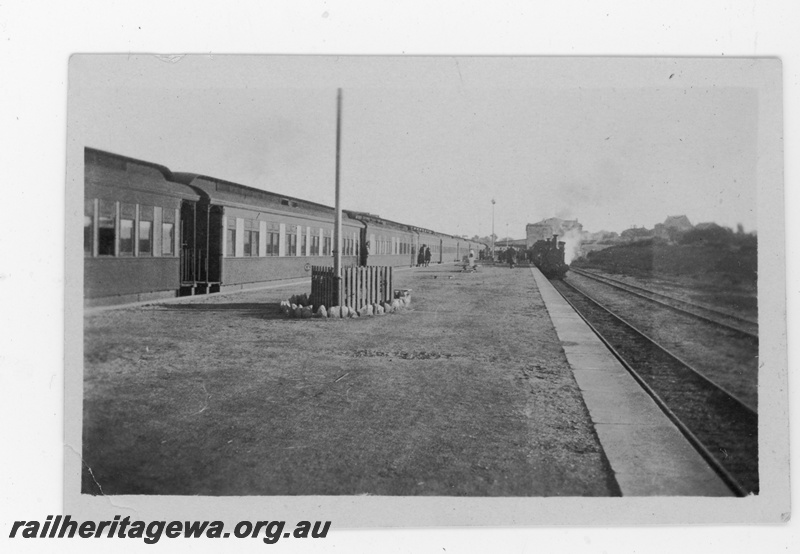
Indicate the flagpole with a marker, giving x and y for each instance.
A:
(337, 230)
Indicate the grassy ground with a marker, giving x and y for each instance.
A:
(720, 275)
(730, 265)
(466, 393)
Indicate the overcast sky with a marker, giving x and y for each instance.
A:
(431, 141)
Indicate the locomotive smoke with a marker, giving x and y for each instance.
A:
(572, 245)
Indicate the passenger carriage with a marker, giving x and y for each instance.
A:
(150, 233)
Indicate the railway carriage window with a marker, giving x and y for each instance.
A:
(106, 227)
(168, 233)
(88, 227)
(254, 238)
(273, 239)
(230, 238)
(127, 219)
(248, 243)
(145, 230)
(327, 245)
(315, 244)
(291, 240)
(250, 237)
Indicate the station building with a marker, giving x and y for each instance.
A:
(546, 228)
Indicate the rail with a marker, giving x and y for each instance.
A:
(736, 412)
(654, 297)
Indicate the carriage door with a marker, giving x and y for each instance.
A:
(188, 254)
(363, 247)
(214, 247)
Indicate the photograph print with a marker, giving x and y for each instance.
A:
(535, 282)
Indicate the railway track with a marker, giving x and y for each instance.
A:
(719, 425)
(737, 324)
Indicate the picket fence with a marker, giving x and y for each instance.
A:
(358, 286)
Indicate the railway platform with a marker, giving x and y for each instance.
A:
(646, 451)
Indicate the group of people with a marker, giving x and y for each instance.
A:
(424, 256)
(510, 256)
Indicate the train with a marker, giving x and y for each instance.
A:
(548, 256)
(151, 233)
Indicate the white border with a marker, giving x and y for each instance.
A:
(36, 41)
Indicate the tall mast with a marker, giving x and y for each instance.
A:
(337, 230)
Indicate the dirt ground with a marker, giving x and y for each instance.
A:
(465, 393)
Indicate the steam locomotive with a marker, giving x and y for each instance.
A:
(548, 256)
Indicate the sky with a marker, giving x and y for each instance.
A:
(430, 141)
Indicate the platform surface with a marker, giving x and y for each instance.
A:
(646, 451)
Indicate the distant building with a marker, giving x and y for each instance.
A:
(636, 233)
(516, 243)
(546, 228)
(707, 225)
(600, 236)
(673, 225)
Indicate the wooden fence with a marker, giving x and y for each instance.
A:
(358, 286)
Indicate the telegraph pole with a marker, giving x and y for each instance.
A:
(337, 229)
(492, 228)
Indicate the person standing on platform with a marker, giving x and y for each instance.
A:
(427, 256)
(421, 256)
